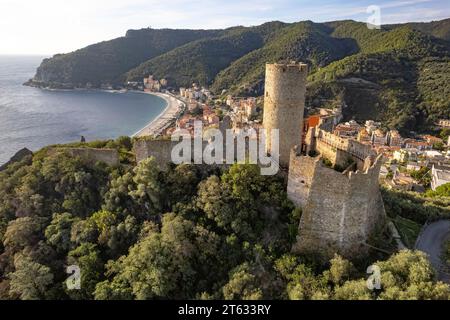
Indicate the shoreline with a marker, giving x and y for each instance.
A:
(165, 118)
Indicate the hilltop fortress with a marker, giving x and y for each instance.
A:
(284, 105)
(333, 180)
(340, 210)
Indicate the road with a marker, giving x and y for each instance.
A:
(431, 241)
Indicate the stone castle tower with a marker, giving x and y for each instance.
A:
(284, 105)
(340, 211)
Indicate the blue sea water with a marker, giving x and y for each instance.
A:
(33, 118)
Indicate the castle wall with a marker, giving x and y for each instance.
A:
(339, 150)
(301, 174)
(161, 150)
(284, 105)
(339, 211)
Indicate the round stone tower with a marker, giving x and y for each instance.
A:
(284, 105)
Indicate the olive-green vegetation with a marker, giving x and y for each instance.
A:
(304, 41)
(438, 29)
(423, 176)
(416, 207)
(447, 252)
(137, 232)
(408, 229)
(200, 61)
(399, 77)
(106, 62)
(441, 191)
(409, 211)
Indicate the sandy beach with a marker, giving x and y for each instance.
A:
(161, 122)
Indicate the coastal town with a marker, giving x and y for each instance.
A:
(212, 159)
(416, 163)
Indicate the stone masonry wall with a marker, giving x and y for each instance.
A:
(301, 174)
(284, 104)
(339, 211)
(161, 150)
(92, 155)
(339, 150)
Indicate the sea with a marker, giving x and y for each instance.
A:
(33, 118)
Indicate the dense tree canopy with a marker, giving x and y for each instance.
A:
(137, 232)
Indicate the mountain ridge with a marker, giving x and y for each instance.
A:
(233, 60)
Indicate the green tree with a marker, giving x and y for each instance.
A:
(177, 262)
(149, 187)
(300, 281)
(243, 285)
(340, 270)
(30, 280)
(59, 230)
(409, 275)
(353, 290)
(118, 200)
(23, 232)
(123, 236)
(445, 133)
(87, 258)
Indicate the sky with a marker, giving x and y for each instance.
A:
(48, 27)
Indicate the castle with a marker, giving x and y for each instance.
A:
(340, 209)
(284, 102)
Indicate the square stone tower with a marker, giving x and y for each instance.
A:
(284, 105)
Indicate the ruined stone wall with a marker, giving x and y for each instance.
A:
(161, 150)
(301, 174)
(339, 150)
(339, 211)
(284, 104)
(336, 156)
(359, 150)
(92, 155)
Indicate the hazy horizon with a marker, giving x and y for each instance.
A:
(48, 27)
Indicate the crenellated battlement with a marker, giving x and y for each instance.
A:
(292, 66)
(339, 210)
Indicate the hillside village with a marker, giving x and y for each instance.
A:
(417, 163)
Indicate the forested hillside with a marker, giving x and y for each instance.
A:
(398, 74)
(137, 232)
(201, 60)
(106, 62)
(304, 41)
(390, 78)
(438, 29)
